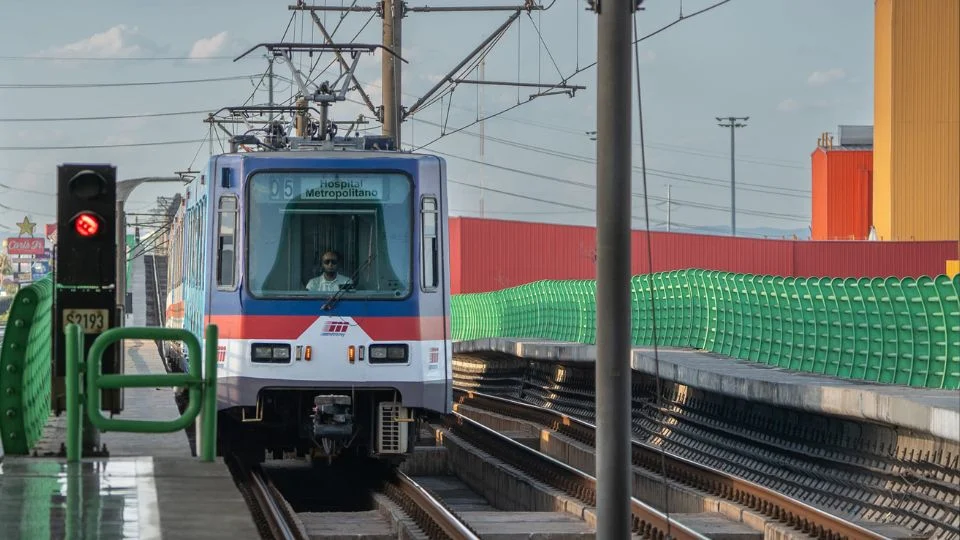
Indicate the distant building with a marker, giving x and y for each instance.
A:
(842, 191)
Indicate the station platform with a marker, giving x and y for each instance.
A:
(936, 412)
(150, 485)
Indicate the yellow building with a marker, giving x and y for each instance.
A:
(916, 152)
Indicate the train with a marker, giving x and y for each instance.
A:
(325, 265)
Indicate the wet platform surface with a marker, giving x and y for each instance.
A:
(118, 498)
(932, 411)
(150, 485)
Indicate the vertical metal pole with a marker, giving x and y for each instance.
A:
(483, 172)
(733, 122)
(73, 345)
(121, 236)
(733, 183)
(614, 114)
(208, 411)
(270, 86)
(390, 68)
(669, 208)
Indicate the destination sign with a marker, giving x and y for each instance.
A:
(343, 187)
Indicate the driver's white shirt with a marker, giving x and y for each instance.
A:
(322, 284)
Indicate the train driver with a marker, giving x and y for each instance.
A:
(330, 280)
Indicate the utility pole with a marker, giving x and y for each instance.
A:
(483, 170)
(669, 207)
(733, 122)
(614, 146)
(391, 72)
(269, 83)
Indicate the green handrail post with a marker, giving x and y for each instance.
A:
(202, 390)
(74, 346)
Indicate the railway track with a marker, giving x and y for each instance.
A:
(793, 513)
(277, 518)
(648, 522)
(869, 472)
(431, 515)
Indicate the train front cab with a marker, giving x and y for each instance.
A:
(303, 370)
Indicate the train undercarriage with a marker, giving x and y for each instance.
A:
(320, 424)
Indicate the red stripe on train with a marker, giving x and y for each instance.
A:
(290, 327)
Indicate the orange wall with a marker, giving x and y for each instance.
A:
(917, 120)
(842, 194)
(819, 194)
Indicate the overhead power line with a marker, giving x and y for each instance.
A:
(114, 117)
(38, 86)
(92, 146)
(693, 204)
(114, 58)
(565, 80)
(673, 175)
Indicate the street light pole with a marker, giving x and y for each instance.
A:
(733, 122)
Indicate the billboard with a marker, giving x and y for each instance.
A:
(25, 246)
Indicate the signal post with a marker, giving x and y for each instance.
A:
(86, 275)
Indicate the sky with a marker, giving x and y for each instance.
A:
(796, 69)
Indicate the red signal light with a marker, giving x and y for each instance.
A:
(86, 225)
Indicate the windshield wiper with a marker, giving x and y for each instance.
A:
(347, 286)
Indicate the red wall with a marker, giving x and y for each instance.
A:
(489, 254)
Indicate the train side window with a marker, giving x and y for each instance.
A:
(226, 243)
(430, 221)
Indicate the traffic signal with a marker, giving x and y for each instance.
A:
(86, 225)
(86, 269)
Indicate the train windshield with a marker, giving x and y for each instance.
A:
(301, 222)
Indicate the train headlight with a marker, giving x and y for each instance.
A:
(270, 353)
(389, 354)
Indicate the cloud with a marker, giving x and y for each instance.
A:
(788, 105)
(117, 42)
(207, 47)
(820, 78)
(647, 56)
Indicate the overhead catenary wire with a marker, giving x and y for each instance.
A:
(578, 71)
(59, 86)
(744, 158)
(694, 204)
(106, 117)
(93, 146)
(116, 58)
(683, 177)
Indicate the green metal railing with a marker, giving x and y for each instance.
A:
(25, 368)
(888, 330)
(85, 394)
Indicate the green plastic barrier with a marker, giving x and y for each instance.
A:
(202, 386)
(25, 368)
(896, 331)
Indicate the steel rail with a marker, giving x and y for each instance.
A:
(782, 507)
(444, 519)
(272, 512)
(647, 521)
